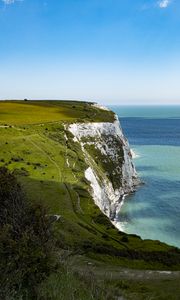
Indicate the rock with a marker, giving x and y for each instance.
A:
(117, 176)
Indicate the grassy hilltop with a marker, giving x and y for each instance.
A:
(50, 166)
(37, 112)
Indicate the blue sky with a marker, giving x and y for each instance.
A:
(110, 51)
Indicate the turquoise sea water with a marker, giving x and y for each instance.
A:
(154, 135)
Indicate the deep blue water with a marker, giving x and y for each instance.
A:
(154, 135)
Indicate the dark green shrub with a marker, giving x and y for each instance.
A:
(125, 239)
(102, 219)
(25, 241)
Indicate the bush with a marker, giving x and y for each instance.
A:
(103, 220)
(25, 241)
(125, 239)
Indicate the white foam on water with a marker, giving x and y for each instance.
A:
(134, 154)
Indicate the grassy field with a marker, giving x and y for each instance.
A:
(34, 112)
(50, 166)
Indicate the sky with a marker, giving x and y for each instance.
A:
(111, 51)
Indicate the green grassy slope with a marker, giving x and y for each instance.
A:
(50, 166)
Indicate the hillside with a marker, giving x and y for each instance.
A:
(38, 144)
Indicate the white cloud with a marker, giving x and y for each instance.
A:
(154, 4)
(10, 1)
(164, 3)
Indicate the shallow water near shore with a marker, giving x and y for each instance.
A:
(153, 212)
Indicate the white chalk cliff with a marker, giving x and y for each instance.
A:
(110, 171)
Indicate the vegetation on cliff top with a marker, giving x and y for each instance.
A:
(35, 112)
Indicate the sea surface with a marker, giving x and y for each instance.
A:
(153, 211)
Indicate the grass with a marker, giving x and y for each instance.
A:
(159, 289)
(72, 286)
(35, 112)
(94, 280)
(51, 169)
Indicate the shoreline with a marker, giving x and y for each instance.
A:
(116, 222)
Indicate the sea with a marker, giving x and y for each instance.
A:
(153, 211)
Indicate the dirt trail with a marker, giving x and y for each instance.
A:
(105, 271)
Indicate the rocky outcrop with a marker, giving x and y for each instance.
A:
(110, 171)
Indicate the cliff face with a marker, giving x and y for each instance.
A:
(110, 171)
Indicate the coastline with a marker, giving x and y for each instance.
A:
(116, 222)
(153, 211)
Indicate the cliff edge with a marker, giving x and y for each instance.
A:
(110, 171)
